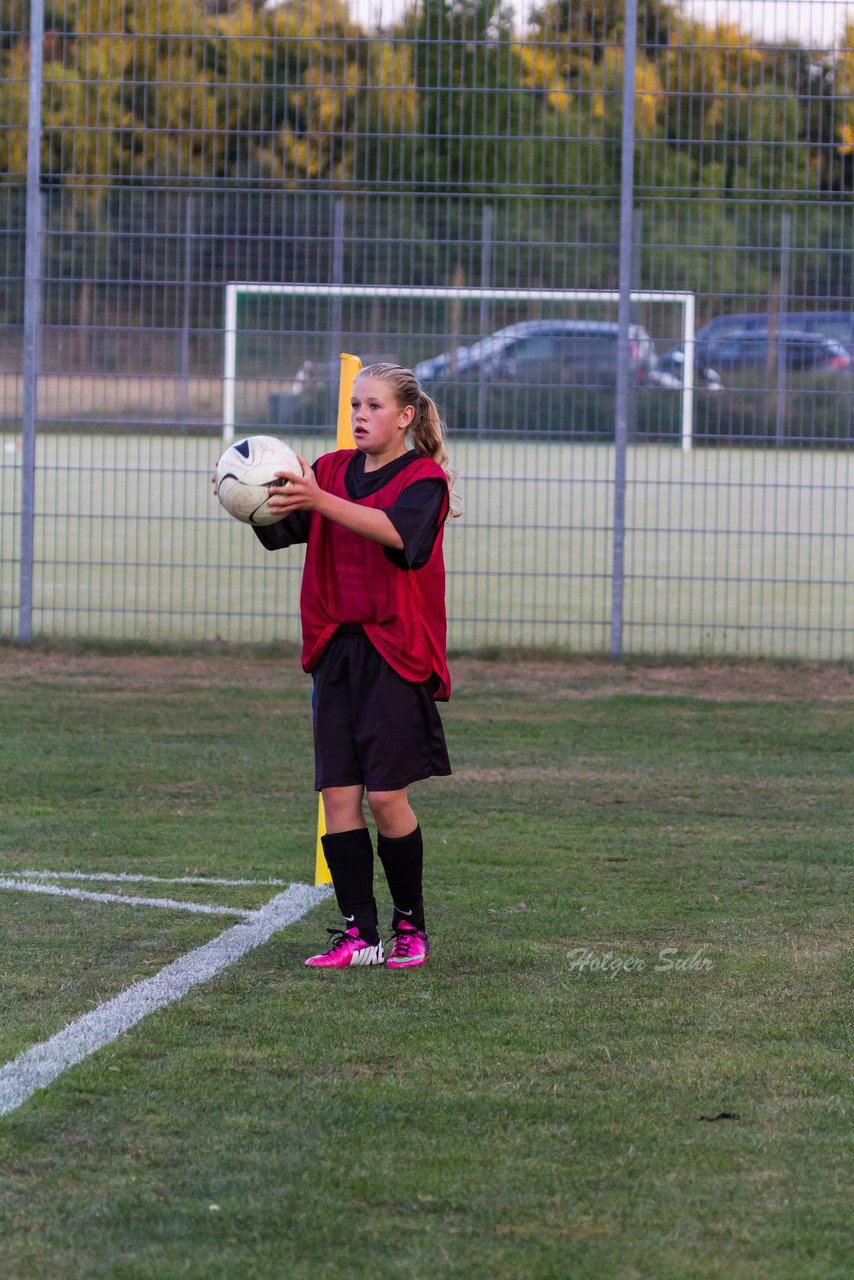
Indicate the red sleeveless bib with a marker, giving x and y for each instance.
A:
(349, 579)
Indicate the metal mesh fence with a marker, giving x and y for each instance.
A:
(609, 159)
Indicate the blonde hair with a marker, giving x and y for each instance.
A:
(427, 428)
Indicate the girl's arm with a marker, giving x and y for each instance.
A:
(303, 493)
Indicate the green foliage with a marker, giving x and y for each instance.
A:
(454, 101)
(587, 27)
(453, 97)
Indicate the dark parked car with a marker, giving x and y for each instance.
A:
(802, 352)
(549, 353)
(832, 324)
(730, 350)
(553, 378)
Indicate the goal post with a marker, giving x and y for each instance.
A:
(235, 290)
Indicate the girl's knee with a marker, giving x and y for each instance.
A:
(391, 812)
(342, 808)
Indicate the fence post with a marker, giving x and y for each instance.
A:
(780, 361)
(185, 316)
(336, 326)
(32, 320)
(621, 414)
(485, 320)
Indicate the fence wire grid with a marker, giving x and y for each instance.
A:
(613, 239)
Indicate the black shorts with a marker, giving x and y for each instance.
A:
(372, 728)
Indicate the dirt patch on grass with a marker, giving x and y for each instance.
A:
(545, 677)
(749, 681)
(519, 775)
(159, 673)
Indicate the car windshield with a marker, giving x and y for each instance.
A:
(837, 329)
(581, 346)
(588, 348)
(487, 347)
(532, 349)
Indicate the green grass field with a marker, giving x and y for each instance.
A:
(728, 551)
(639, 884)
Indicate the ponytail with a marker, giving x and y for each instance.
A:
(427, 429)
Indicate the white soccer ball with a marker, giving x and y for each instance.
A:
(245, 472)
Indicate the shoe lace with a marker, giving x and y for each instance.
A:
(404, 941)
(340, 938)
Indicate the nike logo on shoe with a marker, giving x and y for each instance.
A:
(348, 949)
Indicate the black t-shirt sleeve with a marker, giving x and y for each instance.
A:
(284, 533)
(416, 516)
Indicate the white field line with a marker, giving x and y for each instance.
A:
(124, 877)
(127, 899)
(39, 1066)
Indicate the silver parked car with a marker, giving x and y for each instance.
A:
(566, 353)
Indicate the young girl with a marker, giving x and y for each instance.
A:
(373, 622)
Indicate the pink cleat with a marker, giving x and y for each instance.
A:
(411, 947)
(347, 949)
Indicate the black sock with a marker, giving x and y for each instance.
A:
(403, 862)
(350, 858)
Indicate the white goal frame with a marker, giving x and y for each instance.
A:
(235, 290)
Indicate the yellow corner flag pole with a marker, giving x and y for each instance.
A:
(350, 366)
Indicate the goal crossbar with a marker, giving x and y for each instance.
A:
(427, 293)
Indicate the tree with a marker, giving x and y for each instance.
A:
(580, 31)
(470, 105)
(832, 117)
(299, 79)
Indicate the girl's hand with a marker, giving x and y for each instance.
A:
(303, 493)
(298, 492)
(213, 479)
